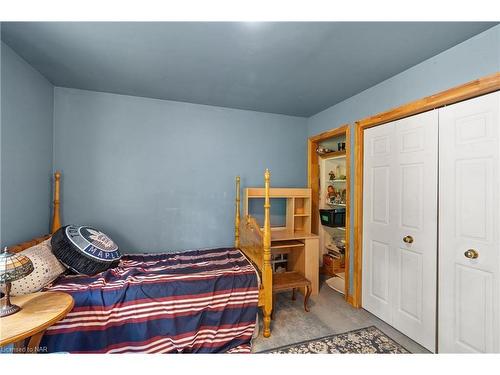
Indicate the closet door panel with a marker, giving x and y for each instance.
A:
(473, 310)
(469, 205)
(412, 196)
(380, 182)
(379, 271)
(410, 294)
(378, 220)
(414, 286)
(400, 202)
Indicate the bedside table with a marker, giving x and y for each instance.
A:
(39, 311)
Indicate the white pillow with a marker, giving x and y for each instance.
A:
(46, 269)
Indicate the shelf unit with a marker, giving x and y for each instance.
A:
(284, 246)
(293, 246)
(332, 162)
(298, 207)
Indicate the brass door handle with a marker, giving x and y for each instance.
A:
(471, 254)
(408, 239)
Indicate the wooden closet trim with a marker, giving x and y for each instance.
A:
(456, 94)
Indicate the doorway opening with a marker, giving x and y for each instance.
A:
(329, 179)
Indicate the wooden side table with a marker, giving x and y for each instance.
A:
(39, 311)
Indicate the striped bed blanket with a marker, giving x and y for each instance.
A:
(202, 301)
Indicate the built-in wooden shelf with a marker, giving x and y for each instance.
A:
(332, 154)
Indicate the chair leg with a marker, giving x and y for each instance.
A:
(293, 295)
(306, 298)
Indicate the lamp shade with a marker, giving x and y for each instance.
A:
(14, 266)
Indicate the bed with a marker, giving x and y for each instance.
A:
(201, 301)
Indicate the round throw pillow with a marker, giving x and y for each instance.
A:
(84, 249)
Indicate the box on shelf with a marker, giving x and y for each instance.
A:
(333, 263)
(333, 217)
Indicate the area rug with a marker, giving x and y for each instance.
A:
(361, 341)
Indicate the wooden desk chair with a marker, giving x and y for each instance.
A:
(286, 281)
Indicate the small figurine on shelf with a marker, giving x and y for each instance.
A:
(330, 191)
(332, 175)
(338, 198)
(344, 195)
(338, 170)
(330, 194)
(322, 150)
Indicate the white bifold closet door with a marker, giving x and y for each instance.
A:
(469, 226)
(400, 225)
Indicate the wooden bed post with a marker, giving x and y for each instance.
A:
(56, 215)
(237, 215)
(267, 272)
(56, 219)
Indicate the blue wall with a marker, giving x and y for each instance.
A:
(159, 175)
(26, 150)
(474, 58)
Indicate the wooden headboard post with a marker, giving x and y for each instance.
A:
(56, 219)
(56, 215)
(267, 271)
(237, 215)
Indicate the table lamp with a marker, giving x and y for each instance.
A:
(12, 267)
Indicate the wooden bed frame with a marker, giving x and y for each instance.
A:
(248, 237)
(255, 243)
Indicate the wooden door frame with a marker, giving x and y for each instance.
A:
(313, 183)
(456, 94)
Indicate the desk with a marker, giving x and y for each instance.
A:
(303, 254)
